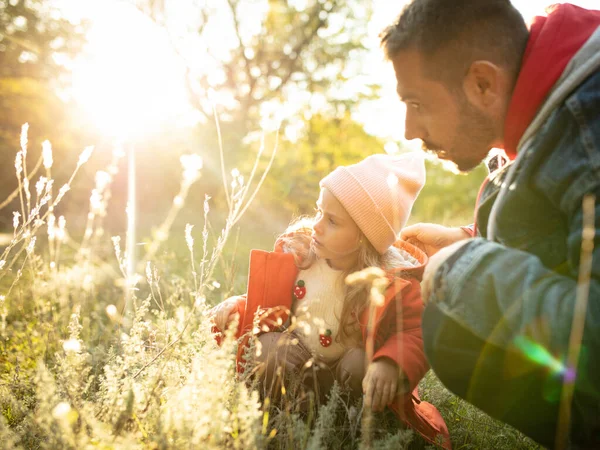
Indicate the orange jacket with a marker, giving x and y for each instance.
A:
(396, 326)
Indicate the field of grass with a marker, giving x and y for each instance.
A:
(92, 356)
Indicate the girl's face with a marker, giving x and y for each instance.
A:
(335, 235)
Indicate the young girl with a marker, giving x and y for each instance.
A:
(312, 326)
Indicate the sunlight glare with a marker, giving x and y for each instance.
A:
(129, 80)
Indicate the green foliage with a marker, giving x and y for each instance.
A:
(254, 53)
(469, 427)
(35, 40)
(327, 143)
(36, 45)
(448, 198)
(259, 62)
(325, 420)
(33, 100)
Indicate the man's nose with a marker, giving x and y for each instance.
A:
(412, 128)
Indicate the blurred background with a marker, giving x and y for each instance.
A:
(109, 347)
(149, 76)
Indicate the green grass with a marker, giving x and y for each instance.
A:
(469, 427)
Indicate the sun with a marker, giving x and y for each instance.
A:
(129, 80)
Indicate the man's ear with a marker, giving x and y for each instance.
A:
(484, 85)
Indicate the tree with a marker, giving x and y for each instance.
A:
(251, 57)
(36, 44)
(326, 143)
(448, 198)
(261, 62)
(35, 41)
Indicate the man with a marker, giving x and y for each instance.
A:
(501, 305)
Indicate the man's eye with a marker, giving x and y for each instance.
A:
(415, 106)
(331, 221)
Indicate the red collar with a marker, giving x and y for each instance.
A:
(553, 41)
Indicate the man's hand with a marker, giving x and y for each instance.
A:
(432, 238)
(222, 311)
(380, 384)
(434, 264)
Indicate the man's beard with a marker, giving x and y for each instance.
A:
(473, 140)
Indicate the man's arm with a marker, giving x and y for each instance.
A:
(502, 294)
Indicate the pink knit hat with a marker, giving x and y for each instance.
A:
(378, 193)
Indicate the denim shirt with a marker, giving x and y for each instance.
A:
(522, 286)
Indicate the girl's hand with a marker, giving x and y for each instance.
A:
(380, 384)
(222, 311)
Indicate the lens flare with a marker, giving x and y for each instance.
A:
(540, 355)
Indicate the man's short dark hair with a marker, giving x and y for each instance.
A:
(452, 34)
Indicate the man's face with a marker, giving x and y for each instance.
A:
(443, 119)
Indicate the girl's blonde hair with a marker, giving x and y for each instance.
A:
(297, 240)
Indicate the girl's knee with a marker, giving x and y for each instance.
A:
(267, 345)
(351, 370)
(280, 350)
